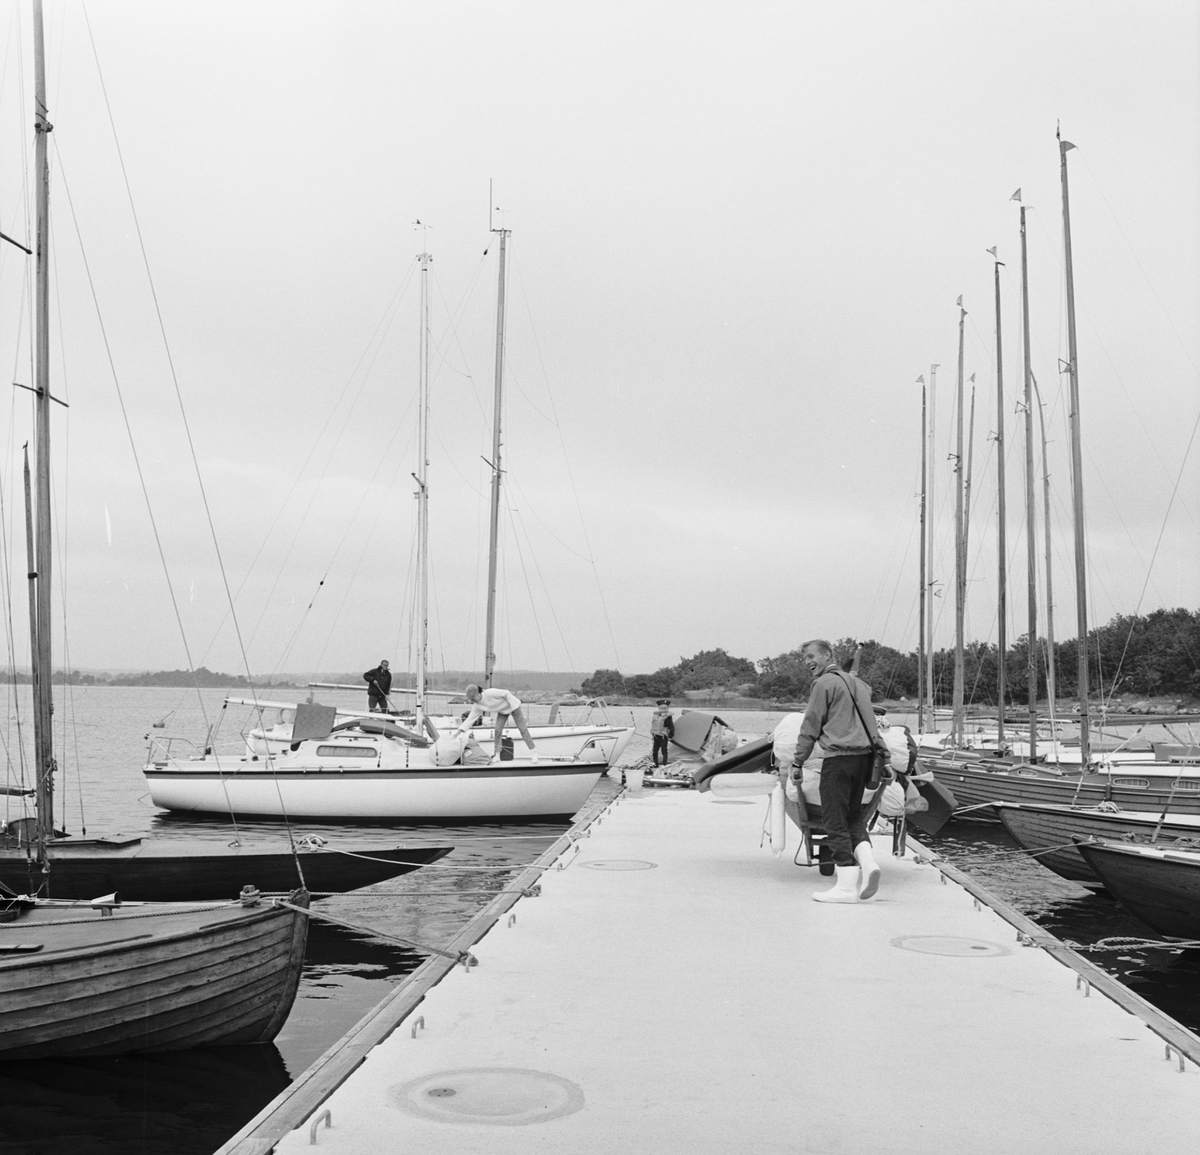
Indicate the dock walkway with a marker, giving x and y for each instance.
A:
(673, 989)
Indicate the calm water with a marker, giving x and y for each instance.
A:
(188, 1104)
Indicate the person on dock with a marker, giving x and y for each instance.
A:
(504, 704)
(379, 685)
(841, 718)
(662, 730)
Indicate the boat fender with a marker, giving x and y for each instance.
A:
(776, 819)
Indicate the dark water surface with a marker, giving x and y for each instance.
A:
(190, 1103)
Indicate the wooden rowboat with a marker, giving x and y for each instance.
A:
(1159, 883)
(103, 979)
(180, 870)
(1047, 832)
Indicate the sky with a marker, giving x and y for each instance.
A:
(738, 233)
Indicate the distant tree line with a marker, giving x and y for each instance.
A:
(1147, 656)
(202, 677)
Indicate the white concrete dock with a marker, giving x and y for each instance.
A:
(674, 989)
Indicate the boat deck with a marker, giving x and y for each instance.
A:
(674, 989)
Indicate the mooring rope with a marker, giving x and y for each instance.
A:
(460, 956)
(1116, 942)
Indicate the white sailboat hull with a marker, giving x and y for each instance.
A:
(498, 790)
(600, 743)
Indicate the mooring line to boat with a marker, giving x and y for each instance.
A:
(432, 865)
(996, 857)
(465, 957)
(1113, 942)
(533, 891)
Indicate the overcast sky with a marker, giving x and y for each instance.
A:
(738, 234)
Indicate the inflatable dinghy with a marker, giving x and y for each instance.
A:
(752, 758)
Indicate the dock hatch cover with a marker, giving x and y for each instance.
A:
(505, 1096)
(619, 864)
(944, 944)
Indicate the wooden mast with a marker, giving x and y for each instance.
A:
(1001, 529)
(1030, 506)
(960, 567)
(1065, 146)
(921, 600)
(929, 683)
(43, 707)
(1050, 660)
(967, 485)
(422, 480)
(489, 657)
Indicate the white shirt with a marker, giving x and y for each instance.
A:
(492, 701)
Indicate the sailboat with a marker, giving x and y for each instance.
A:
(552, 737)
(322, 764)
(107, 977)
(1076, 772)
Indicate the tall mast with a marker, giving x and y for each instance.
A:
(1085, 741)
(43, 738)
(1030, 508)
(960, 564)
(1001, 542)
(967, 486)
(929, 546)
(1050, 691)
(423, 495)
(921, 600)
(489, 657)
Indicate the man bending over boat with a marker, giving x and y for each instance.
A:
(504, 704)
(840, 717)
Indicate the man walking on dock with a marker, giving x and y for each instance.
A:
(839, 716)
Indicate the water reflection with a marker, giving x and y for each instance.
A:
(177, 1104)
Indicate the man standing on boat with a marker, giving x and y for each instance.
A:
(379, 685)
(840, 717)
(504, 704)
(662, 729)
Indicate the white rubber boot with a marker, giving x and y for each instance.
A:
(846, 889)
(865, 857)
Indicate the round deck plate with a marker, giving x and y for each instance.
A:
(502, 1096)
(950, 946)
(619, 864)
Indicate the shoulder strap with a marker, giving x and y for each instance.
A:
(854, 703)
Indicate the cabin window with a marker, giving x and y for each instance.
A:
(1186, 784)
(1133, 783)
(346, 752)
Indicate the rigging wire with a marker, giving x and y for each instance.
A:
(129, 431)
(567, 461)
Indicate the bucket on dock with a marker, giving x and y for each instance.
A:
(634, 776)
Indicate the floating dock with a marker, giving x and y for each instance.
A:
(672, 989)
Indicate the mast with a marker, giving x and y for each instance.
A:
(1050, 662)
(960, 565)
(1030, 508)
(921, 600)
(489, 657)
(1001, 543)
(423, 495)
(970, 474)
(1085, 741)
(40, 643)
(929, 545)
